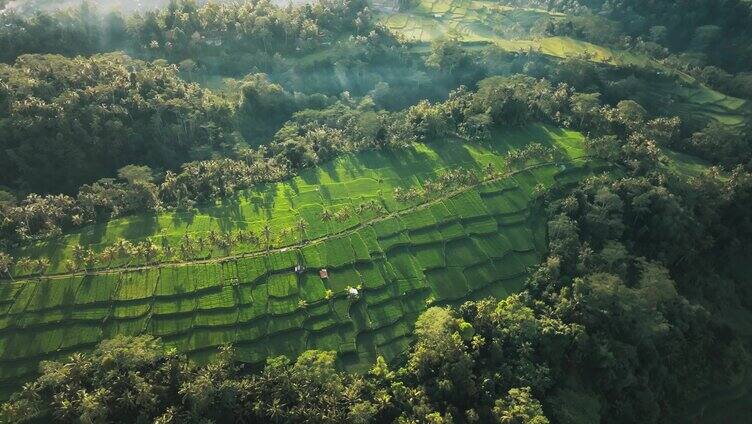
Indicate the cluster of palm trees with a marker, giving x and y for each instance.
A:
(347, 212)
(534, 151)
(30, 266)
(191, 246)
(341, 215)
(449, 180)
(6, 263)
(188, 247)
(125, 251)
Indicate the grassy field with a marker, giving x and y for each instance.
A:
(472, 242)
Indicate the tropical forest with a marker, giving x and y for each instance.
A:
(376, 211)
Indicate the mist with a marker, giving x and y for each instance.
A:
(106, 6)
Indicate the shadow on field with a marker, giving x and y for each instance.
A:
(140, 226)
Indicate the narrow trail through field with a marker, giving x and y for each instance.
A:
(219, 259)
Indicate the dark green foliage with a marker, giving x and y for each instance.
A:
(630, 317)
(103, 112)
(124, 379)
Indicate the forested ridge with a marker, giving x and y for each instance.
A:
(638, 311)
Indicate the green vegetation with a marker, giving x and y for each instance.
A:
(343, 184)
(250, 294)
(106, 111)
(443, 211)
(484, 22)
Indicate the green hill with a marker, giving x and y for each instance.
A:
(251, 295)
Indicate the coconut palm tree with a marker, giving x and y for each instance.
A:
(107, 255)
(400, 195)
(213, 237)
(137, 251)
(342, 215)
(123, 248)
(70, 266)
(283, 233)
(226, 242)
(302, 225)
(79, 254)
(149, 251)
(242, 236)
(201, 243)
(327, 215)
(250, 237)
(490, 171)
(90, 259)
(24, 264)
(41, 265)
(167, 251)
(267, 231)
(187, 246)
(6, 262)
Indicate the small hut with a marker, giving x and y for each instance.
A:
(323, 273)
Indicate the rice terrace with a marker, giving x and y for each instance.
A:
(375, 211)
(342, 217)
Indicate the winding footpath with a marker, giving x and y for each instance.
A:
(348, 231)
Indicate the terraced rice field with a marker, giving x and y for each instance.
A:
(343, 183)
(469, 243)
(485, 22)
(480, 24)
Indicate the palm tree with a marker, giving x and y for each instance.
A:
(248, 237)
(429, 188)
(275, 410)
(41, 265)
(167, 251)
(79, 254)
(137, 251)
(149, 251)
(6, 262)
(267, 230)
(201, 243)
(213, 237)
(187, 247)
(24, 264)
(283, 233)
(490, 171)
(326, 216)
(241, 236)
(226, 242)
(123, 248)
(342, 215)
(107, 255)
(70, 266)
(400, 195)
(165, 242)
(302, 225)
(90, 259)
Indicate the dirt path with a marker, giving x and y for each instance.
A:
(348, 231)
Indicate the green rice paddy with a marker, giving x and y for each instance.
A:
(469, 243)
(480, 24)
